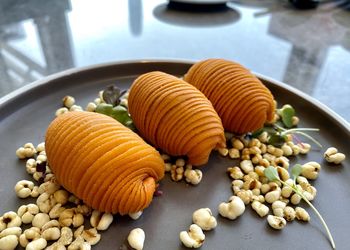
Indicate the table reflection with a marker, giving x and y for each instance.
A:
(135, 16)
(309, 49)
(34, 41)
(310, 42)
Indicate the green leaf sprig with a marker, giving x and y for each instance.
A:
(286, 113)
(278, 132)
(272, 174)
(120, 113)
(279, 135)
(299, 131)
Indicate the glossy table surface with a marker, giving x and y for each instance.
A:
(307, 49)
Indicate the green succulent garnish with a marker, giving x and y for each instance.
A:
(120, 113)
(286, 113)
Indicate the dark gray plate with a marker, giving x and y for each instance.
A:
(25, 114)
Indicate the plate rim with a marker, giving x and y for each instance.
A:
(76, 70)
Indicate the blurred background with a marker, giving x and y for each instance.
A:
(303, 43)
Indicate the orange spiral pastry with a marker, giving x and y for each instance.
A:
(175, 117)
(102, 162)
(242, 101)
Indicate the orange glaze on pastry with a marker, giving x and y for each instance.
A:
(243, 103)
(175, 117)
(102, 162)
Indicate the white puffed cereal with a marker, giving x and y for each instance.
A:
(223, 151)
(79, 244)
(66, 236)
(295, 120)
(9, 219)
(333, 156)
(37, 244)
(61, 196)
(91, 107)
(282, 161)
(40, 219)
(204, 218)
(49, 187)
(61, 111)
(68, 101)
(245, 195)
(289, 213)
(29, 235)
(237, 143)
(70, 217)
(40, 147)
(59, 246)
(233, 153)
(101, 221)
(91, 236)
(136, 238)
(56, 211)
(180, 162)
(11, 231)
(235, 173)
(193, 176)
(233, 208)
(31, 166)
(273, 196)
(287, 150)
(301, 214)
(45, 202)
(263, 137)
(278, 208)
(276, 222)
(24, 188)
(295, 199)
(311, 170)
(53, 233)
(247, 166)
(304, 147)
(193, 238)
(8, 242)
(310, 193)
(27, 212)
(265, 188)
(76, 108)
(83, 209)
(136, 215)
(261, 209)
(167, 167)
(176, 173)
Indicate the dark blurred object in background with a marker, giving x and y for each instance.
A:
(196, 7)
(304, 4)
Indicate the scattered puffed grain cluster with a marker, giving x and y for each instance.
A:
(68, 103)
(251, 186)
(57, 217)
(179, 170)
